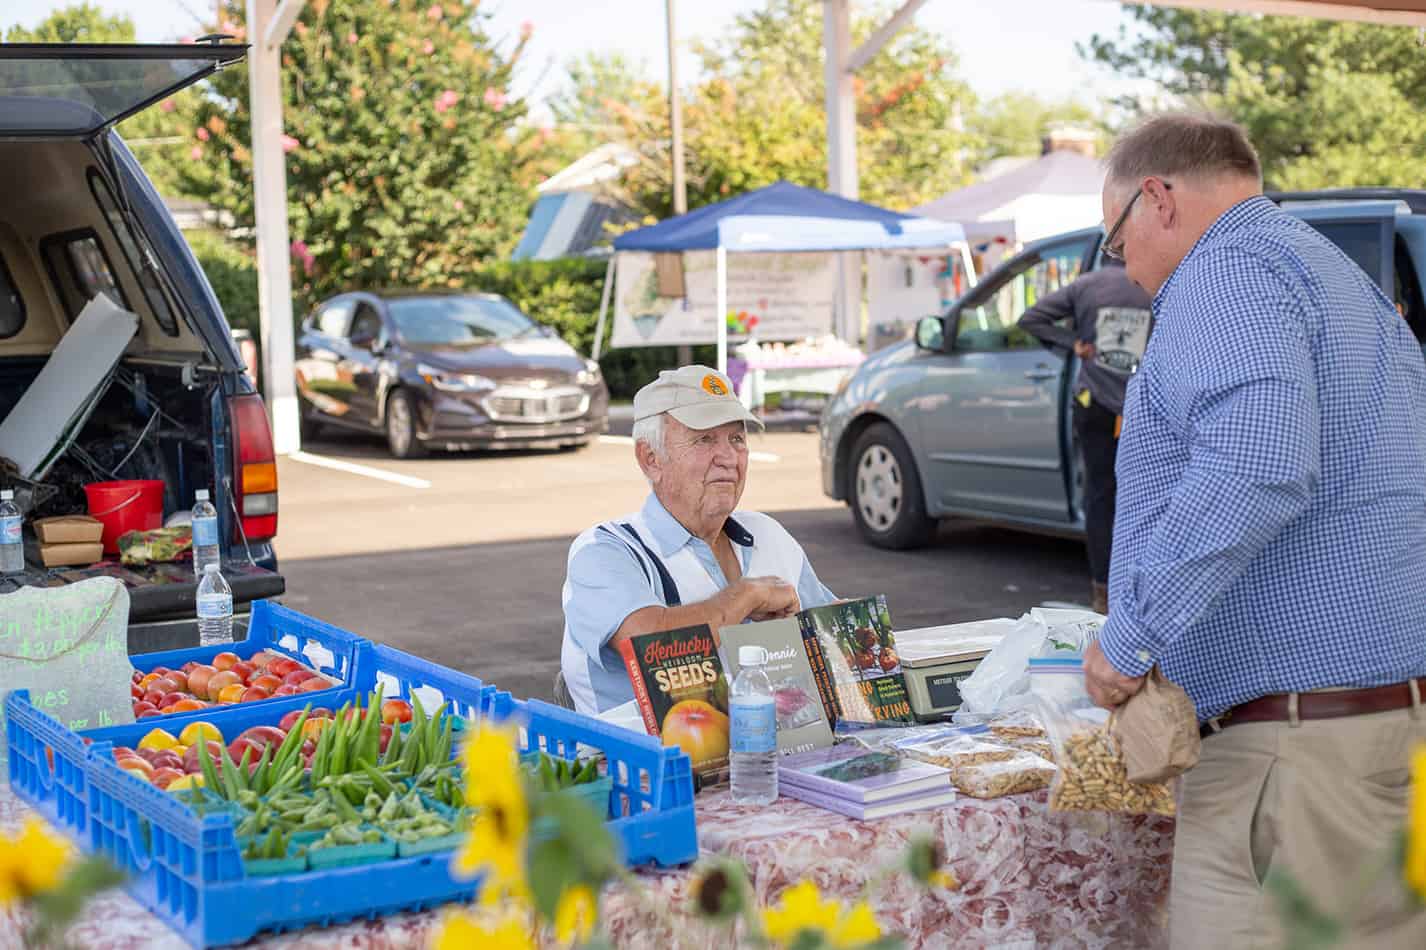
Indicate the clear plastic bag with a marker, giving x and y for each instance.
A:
(1021, 772)
(1018, 724)
(1091, 774)
(1001, 682)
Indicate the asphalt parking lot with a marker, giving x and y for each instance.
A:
(460, 558)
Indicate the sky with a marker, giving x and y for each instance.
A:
(1003, 45)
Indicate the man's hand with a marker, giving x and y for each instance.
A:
(766, 598)
(1106, 685)
(1083, 350)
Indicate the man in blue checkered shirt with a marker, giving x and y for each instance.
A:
(1270, 540)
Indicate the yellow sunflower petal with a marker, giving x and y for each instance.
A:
(461, 932)
(857, 926)
(575, 915)
(46, 858)
(801, 908)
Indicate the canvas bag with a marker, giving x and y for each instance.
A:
(1157, 731)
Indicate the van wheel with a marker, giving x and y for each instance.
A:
(401, 418)
(886, 497)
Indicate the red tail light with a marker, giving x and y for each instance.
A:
(254, 467)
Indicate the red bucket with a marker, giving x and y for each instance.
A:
(125, 506)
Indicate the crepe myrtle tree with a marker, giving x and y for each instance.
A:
(400, 138)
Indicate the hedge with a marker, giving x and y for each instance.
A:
(563, 294)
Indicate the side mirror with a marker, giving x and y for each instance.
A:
(931, 334)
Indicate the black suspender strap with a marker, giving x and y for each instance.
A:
(670, 589)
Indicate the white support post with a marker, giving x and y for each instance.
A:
(874, 43)
(270, 204)
(604, 306)
(722, 307)
(842, 155)
(281, 22)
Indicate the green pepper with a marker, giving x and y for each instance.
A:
(588, 774)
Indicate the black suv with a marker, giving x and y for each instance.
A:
(79, 218)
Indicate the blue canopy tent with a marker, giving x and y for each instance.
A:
(782, 217)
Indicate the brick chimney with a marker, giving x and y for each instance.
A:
(1069, 138)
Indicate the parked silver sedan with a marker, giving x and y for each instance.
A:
(971, 418)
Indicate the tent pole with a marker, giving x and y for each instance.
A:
(603, 306)
(722, 308)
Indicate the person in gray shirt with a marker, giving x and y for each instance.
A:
(1104, 318)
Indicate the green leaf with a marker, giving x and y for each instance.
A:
(552, 870)
(1306, 925)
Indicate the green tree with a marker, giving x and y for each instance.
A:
(1327, 104)
(756, 115)
(401, 162)
(1015, 123)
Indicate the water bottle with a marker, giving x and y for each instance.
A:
(12, 545)
(752, 763)
(205, 533)
(215, 608)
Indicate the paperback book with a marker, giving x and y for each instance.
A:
(852, 652)
(682, 694)
(854, 773)
(802, 722)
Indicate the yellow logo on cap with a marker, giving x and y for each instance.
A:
(713, 386)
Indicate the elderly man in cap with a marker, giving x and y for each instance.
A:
(685, 558)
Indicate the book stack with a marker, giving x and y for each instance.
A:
(862, 784)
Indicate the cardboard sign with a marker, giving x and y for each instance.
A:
(790, 294)
(69, 646)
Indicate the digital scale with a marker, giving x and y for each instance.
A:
(935, 660)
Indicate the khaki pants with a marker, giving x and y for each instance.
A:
(1321, 800)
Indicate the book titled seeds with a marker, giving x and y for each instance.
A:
(681, 691)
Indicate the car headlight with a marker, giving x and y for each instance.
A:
(589, 375)
(453, 382)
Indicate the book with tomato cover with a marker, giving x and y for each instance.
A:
(681, 691)
(853, 655)
(856, 774)
(802, 722)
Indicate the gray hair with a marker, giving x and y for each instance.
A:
(1181, 145)
(650, 431)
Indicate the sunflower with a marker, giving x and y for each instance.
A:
(575, 915)
(33, 862)
(462, 932)
(497, 839)
(802, 909)
(1415, 869)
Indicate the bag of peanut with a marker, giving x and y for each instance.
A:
(1092, 775)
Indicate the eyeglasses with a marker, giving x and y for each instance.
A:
(1114, 249)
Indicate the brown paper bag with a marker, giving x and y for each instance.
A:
(1157, 731)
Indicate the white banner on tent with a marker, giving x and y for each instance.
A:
(790, 294)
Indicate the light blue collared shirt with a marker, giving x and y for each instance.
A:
(607, 582)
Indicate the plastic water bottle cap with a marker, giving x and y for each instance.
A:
(210, 568)
(751, 655)
(201, 495)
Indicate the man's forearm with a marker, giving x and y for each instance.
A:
(723, 609)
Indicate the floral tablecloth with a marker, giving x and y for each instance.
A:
(1029, 879)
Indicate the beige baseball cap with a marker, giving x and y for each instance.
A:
(700, 397)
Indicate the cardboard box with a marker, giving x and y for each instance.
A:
(68, 555)
(69, 529)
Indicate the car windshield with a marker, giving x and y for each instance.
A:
(457, 321)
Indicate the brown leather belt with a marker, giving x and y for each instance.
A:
(1320, 705)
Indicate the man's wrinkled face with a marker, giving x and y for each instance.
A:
(703, 471)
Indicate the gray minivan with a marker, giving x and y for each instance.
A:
(971, 418)
(78, 218)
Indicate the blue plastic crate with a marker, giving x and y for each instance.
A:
(187, 869)
(325, 648)
(47, 765)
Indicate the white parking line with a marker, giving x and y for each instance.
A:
(629, 440)
(351, 468)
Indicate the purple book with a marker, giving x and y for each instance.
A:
(859, 775)
(933, 798)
